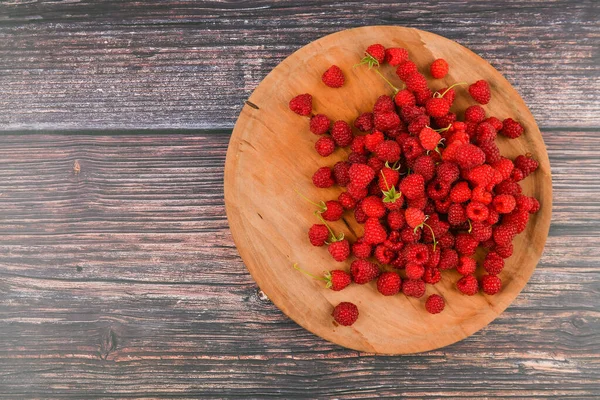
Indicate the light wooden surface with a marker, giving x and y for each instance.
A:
(272, 152)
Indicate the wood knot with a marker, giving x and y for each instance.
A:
(108, 343)
(262, 296)
(76, 167)
(251, 104)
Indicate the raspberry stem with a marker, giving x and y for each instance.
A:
(368, 59)
(470, 225)
(396, 90)
(321, 278)
(321, 205)
(334, 238)
(431, 229)
(446, 91)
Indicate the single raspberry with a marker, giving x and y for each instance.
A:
(345, 313)
(405, 97)
(301, 104)
(413, 186)
(363, 271)
(359, 214)
(432, 276)
(413, 288)
(325, 146)
(388, 151)
(468, 285)
(417, 124)
(406, 69)
(504, 251)
(517, 175)
(443, 206)
(386, 121)
(438, 68)
(358, 145)
(535, 207)
(384, 104)
(448, 259)
(508, 187)
(446, 241)
(392, 200)
(395, 55)
(491, 151)
(447, 172)
(414, 217)
(373, 139)
(347, 201)
(495, 122)
(356, 192)
(423, 95)
(457, 214)
(424, 166)
(374, 232)
(474, 113)
(493, 263)
(504, 234)
(434, 256)
(465, 244)
(414, 271)
(393, 241)
(469, 156)
(435, 304)
(376, 51)
(477, 211)
(480, 92)
(466, 265)
(318, 234)
(504, 166)
(409, 235)
(356, 158)
(416, 82)
(340, 173)
(333, 210)
(481, 231)
(485, 133)
(419, 203)
(481, 195)
(523, 203)
(388, 177)
(362, 250)
(517, 219)
(377, 165)
(373, 207)
(342, 133)
(504, 203)
(319, 124)
(481, 175)
(383, 254)
(409, 112)
(389, 283)
(511, 128)
(460, 192)
(526, 164)
(395, 220)
(339, 250)
(491, 284)
(337, 280)
(323, 178)
(429, 138)
(445, 120)
(360, 175)
(364, 122)
(333, 77)
(447, 94)
(416, 253)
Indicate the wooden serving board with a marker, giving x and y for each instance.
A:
(271, 153)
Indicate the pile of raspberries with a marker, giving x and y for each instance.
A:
(429, 189)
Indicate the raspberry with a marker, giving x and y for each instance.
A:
(383, 254)
(414, 217)
(480, 195)
(511, 128)
(333, 210)
(413, 186)
(526, 164)
(345, 313)
(393, 241)
(384, 104)
(373, 139)
(456, 214)
(495, 122)
(416, 253)
(347, 201)
(504, 251)
(429, 138)
(446, 120)
(446, 241)
(363, 271)
(406, 69)
(517, 175)
(438, 68)
(481, 175)
(448, 94)
(337, 280)
(469, 156)
(359, 214)
(504, 203)
(358, 145)
(360, 176)
(465, 244)
(389, 283)
(432, 276)
(504, 166)
(468, 285)
(325, 146)
(448, 259)
(409, 112)
(535, 207)
(518, 219)
(417, 124)
(333, 77)
(480, 92)
(419, 203)
(485, 133)
(424, 166)
(376, 51)
(356, 192)
(319, 124)
(477, 211)
(377, 165)
(386, 121)
(374, 232)
(364, 122)
(340, 173)
(504, 234)
(442, 206)
(481, 231)
(387, 178)
(508, 187)
(434, 257)
(301, 104)
(435, 304)
(414, 271)
(395, 220)
(322, 178)
(395, 55)
(405, 97)
(318, 234)
(447, 172)
(475, 114)
(413, 288)
(356, 158)
(342, 133)
(491, 284)
(339, 250)
(416, 82)
(388, 151)
(491, 151)
(460, 192)
(423, 95)
(373, 207)
(466, 265)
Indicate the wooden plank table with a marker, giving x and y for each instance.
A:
(118, 274)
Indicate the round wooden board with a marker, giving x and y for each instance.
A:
(271, 153)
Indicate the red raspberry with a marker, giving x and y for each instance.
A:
(446, 241)
(417, 124)
(414, 271)
(468, 285)
(491, 151)
(448, 259)
(477, 211)
(416, 82)
(435, 304)
(319, 124)
(480, 92)
(481, 175)
(364, 122)
(475, 114)
(386, 121)
(424, 166)
(456, 214)
(447, 172)
(387, 178)
(489, 244)
(419, 203)
(434, 257)
(363, 271)
(495, 122)
(373, 207)
(491, 284)
(356, 192)
(337, 280)
(395, 55)
(504, 203)
(389, 283)
(504, 166)
(339, 250)
(405, 97)
(325, 146)
(442, 206)
(342, 133)
(345, 313)
(429, 138)
(333, 210)
(518, 219)
(511, 128)
(517, 175)
(508, 187)
(388, 151)
(413, 186)
(460, 192)
(376, 51)
(526, 164)
(358, 145)
(523, 203)
(413, 288)
(432, 276)
(438, 68)
(504, 251)
(409, 235)
(481, 231)
(469, 156)
(504, 234)
(465, 244)
(395, 220)
(374, 232)
(373, 139)
(362, 250)
(448, 94)
(485, 133)
(360, 175)
(406, 69)
(446, 120)
(318, 234)
(359, 214)
(383, 254)
(377, 165)
(384, 104)
(493, 263)
(480, 195)
(333, 77)
(466, 265)
(356, 158)
(301, 104)
(414, 217)
(322, 178)
(416, 253)
(347, 201)
(423, 95)
(408, 112)
(535, 207)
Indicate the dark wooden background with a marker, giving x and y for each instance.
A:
(118, 274)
